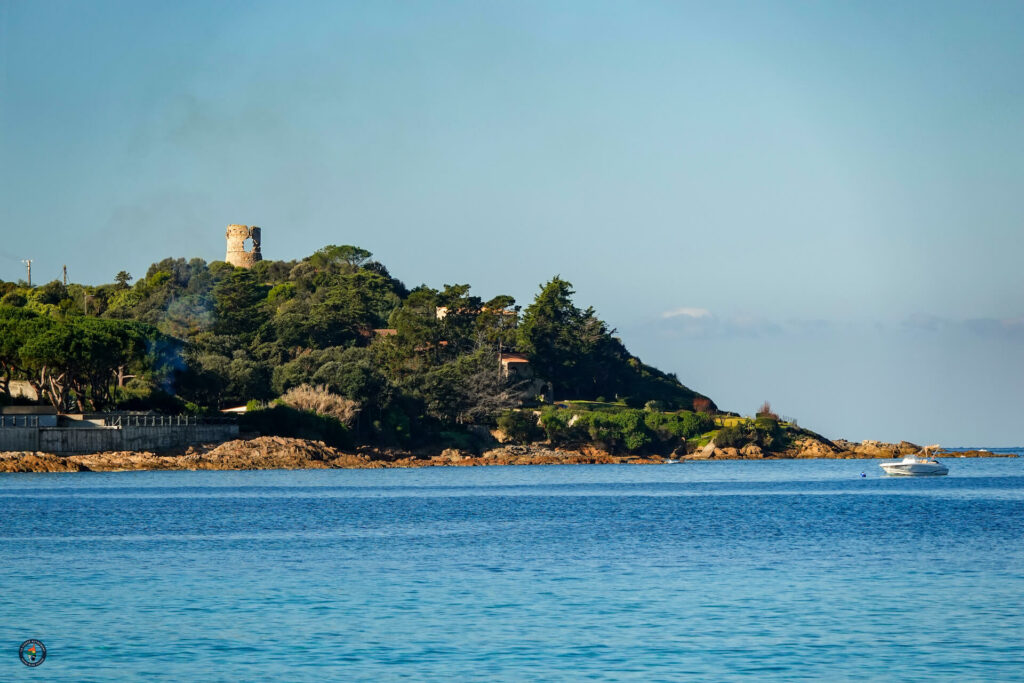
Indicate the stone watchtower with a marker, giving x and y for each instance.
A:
(237, 254)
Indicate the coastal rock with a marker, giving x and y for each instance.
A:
(285, 453)
(973, 454)
(808, 447)
(876, 449)
(539, 455)
(880, 449)
(752, 451)
(452, 455)
(37, 462)
(704, 453)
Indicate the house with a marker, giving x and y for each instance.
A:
(441, 312)
(515, 366)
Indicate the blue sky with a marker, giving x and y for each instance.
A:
(818, 204)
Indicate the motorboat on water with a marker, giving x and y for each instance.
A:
(918, 465)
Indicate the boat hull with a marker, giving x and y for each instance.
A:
(917, 469)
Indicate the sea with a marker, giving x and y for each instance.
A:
(783, 570)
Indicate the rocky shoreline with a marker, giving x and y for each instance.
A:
(271, 452)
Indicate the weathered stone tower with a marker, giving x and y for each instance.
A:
(237, 255)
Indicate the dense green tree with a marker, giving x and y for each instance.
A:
(236, 303)
(84, 358)
(13, 298)
(17, 327)
(417, 362)
(578, 353)
(346, 254)
(52, 293)
(419, 331)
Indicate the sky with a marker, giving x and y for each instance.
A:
(815, 204)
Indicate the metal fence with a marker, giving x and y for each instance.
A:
(19, 421)
(166, 420)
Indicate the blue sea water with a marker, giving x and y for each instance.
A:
(784, 570)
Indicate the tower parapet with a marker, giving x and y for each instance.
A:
(237, 254)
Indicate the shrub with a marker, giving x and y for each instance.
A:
(145, 398)
(519, 426)
(14, 299)
(767, 432)
(657, 422)
(702, 405)
(322, 402)
(632, 430)
(460, 440)
(598, 427)
(284, 420)
(732, 437)
(393, 427)
(555, 424)
(766, 411)
(669, 426)
(633, 401)
(695, 424)
(655, 406)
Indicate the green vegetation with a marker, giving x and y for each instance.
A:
(404, 367)
(614, 427)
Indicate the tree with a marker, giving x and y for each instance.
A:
(570, 347)
(496, 324)
(333, 255)
(460, 311)
(17, 327)
(52, 293)
(419, 331)
(84, 358)
(578, 354)
(122, 279)
(468, 389)
(236, 303)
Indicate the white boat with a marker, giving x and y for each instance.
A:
(918, 465)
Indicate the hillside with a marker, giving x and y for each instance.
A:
(331, 347)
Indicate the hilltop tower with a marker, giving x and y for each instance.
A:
(237, 254)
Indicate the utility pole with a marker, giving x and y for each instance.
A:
(65, 275)
(28, 266)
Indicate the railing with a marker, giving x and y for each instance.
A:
(22, 421)
(166, 420)
(12, 420)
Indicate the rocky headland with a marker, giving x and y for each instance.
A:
(273, 452)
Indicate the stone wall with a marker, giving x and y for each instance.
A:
(162, 438)
(19, 439)
(60, 440)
